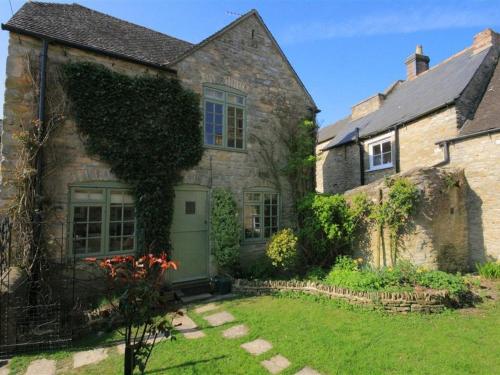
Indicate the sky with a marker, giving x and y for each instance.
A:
(343, 51)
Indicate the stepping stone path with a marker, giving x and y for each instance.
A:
(89, 357)
(257, 347)
(276, 364)
(185, 325)
(206, 308)
(4, 370)
(42, 367)
(219, 319)
(307, 371)
(235, 332)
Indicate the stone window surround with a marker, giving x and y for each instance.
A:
(371, 143)
(262, 190)
(106, 187)
(226, 91)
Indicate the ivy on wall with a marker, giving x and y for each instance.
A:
(147, 128)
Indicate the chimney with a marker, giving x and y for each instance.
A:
(485, 39)
(416, 63)
(367, 106)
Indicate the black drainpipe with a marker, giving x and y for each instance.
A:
(361, 159)
(39, 162)
(396, 151)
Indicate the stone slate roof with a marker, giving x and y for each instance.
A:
(409, 100)
(85, 28)
(487, 115)
(328, 132)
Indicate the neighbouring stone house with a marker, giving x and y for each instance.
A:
(447, 115)
(244, 80)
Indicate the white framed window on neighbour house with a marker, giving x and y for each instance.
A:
(224, 113)
(261, 216)
(101, 221)
(380, 153)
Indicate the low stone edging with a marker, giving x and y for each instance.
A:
(433, 301)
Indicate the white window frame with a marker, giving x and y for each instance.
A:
(380, 141)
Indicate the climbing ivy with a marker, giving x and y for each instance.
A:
(147, 128)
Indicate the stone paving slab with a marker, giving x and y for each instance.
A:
(307, 371)
(219, 319)
(185, 325)
(206, 308)
(235, 332)
(42, 367)
(89, 357)
(257, 347)
(120, 348)
(276, 364)
(4, 370)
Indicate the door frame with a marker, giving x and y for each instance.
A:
(203, 189)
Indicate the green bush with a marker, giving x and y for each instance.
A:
(404, 276)
(225, 230)
(490, 270)
(328, 225)
(316, 274)
(282, 250)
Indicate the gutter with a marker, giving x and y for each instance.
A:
(445, 143)
(88, 48)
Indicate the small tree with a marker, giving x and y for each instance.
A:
(134, 294)
(225, 230)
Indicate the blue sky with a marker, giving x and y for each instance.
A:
(344, 51)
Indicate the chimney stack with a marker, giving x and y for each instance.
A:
(416, 63)
(485, 39)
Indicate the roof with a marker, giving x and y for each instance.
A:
(328, 132)
(434, 89)
(85, 28)
(487, 115)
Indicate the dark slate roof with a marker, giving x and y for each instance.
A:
(438, 87)
(487, 115)
(85, 28)
(328, 132)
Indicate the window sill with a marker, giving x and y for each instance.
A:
(375, 169)
(100, 256)
(229, 149)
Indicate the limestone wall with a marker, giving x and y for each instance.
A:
(437, 236)
(480, 159)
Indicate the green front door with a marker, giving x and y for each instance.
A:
(190, 234)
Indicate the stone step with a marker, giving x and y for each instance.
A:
(257, 347)
(219, 318)
(195, 298)
(276, 364)
(42, 367)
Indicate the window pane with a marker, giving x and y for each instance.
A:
(386, 146)
(95, 213)
(235, 99)
(212, 93)
(79, 246)
(218, 109)
(252, 221)
(209, 107)
(115, 243)
(128, 243)
(79, 230)
(387, 158)
(80, 214)
(95, 230)
(128, 213)
(376, 150)
(128, 228)
(115, 229)
(377, 159)
(115, 212)
(94, 245)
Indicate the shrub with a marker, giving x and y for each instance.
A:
(261, 269)
(490, 270)
(282, 250)
(455, 284)
(316, 274)
(225, 230)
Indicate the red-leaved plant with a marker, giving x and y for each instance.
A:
(134, 292)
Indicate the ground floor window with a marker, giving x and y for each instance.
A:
(260, 214)
(102, 221)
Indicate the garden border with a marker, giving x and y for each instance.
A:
(428, 301)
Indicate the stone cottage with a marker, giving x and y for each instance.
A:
(244, 80)
(441, 116)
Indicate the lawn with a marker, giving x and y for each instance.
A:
(329, 337)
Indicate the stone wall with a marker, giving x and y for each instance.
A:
(244, 58)
(337, 170)
(480, 157)
(437, 235)
(395, 302)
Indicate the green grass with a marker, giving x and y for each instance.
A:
(328, 337)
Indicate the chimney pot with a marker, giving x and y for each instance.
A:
(416, 63)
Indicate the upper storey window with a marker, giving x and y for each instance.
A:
(224, 118)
